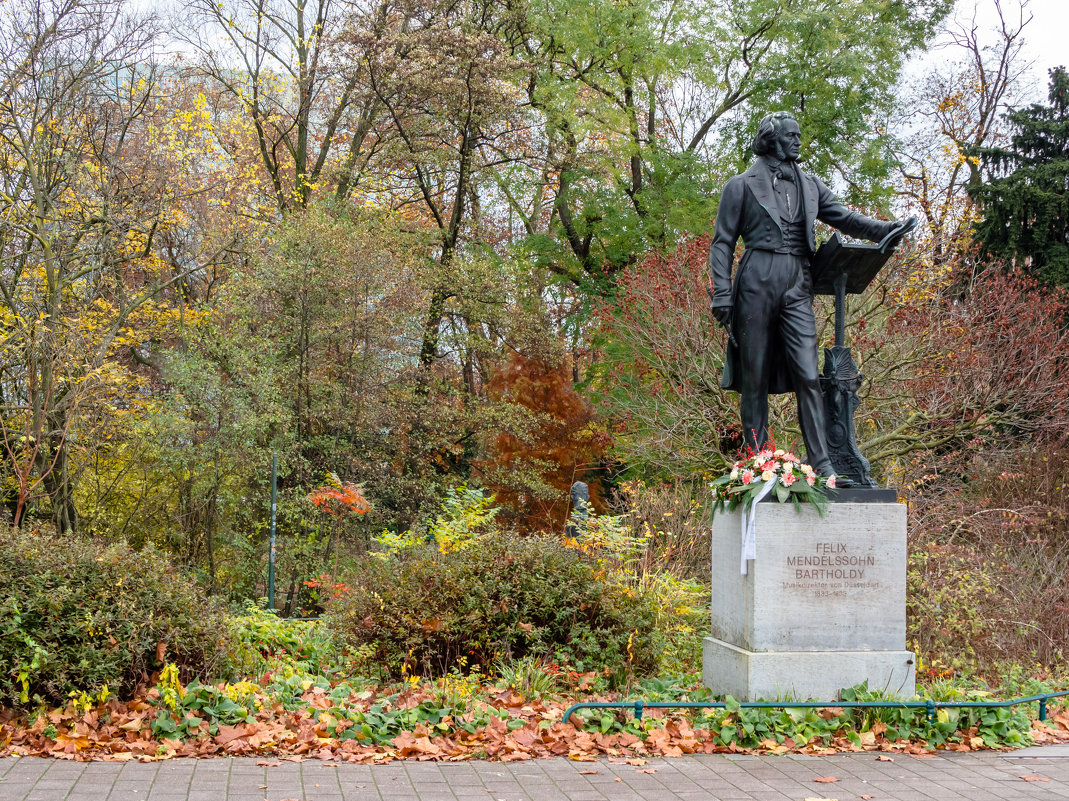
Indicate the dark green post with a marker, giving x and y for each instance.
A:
(271, 556)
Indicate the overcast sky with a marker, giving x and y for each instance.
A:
(1046, 36)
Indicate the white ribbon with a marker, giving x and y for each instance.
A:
(749, 525)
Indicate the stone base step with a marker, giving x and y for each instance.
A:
(803, 675)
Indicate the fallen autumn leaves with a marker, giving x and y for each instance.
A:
(117, 731)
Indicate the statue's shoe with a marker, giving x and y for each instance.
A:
(841, 482)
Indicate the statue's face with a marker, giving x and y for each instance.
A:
(789, 141)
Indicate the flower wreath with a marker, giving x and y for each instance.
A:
(779, 472)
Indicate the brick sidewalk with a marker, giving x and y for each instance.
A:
(973, 777)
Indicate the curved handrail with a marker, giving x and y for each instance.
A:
(929, 706)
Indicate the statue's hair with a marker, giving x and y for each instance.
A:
(764, 142)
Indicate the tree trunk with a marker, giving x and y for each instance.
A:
(60, 490)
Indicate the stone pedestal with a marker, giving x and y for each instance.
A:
(822, 607)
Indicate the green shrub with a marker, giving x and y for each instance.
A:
(424, 611)
(264, 642)
(76, 616)
(634, 559)
(949, 588)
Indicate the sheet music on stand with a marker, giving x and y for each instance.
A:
(858, 261)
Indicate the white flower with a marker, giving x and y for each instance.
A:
(779, 453)
(734, 473)
(768, 475)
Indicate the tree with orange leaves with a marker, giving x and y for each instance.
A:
(532, 468)
(339, 499)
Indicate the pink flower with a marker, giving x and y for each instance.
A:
(747, 476)
(831, 482)
(790, 457)
(788, 479)
(811, 479)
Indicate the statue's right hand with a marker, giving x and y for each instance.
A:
(722, 315)
(901, 228)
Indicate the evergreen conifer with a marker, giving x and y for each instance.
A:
(1025, 203)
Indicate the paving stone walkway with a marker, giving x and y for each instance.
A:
(975, 777)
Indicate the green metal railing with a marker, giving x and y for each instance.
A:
(929, 706)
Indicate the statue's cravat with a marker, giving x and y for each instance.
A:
(786, 171)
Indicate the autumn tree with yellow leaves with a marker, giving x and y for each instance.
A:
(77, 231)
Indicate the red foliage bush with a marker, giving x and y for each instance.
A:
(661, 361)
(998, 355)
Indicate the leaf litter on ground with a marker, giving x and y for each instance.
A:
(365, 728)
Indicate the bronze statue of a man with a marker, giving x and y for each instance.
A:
(768, 308)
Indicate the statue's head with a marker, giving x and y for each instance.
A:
(778, 135)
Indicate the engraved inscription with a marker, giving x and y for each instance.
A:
(830, 570)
